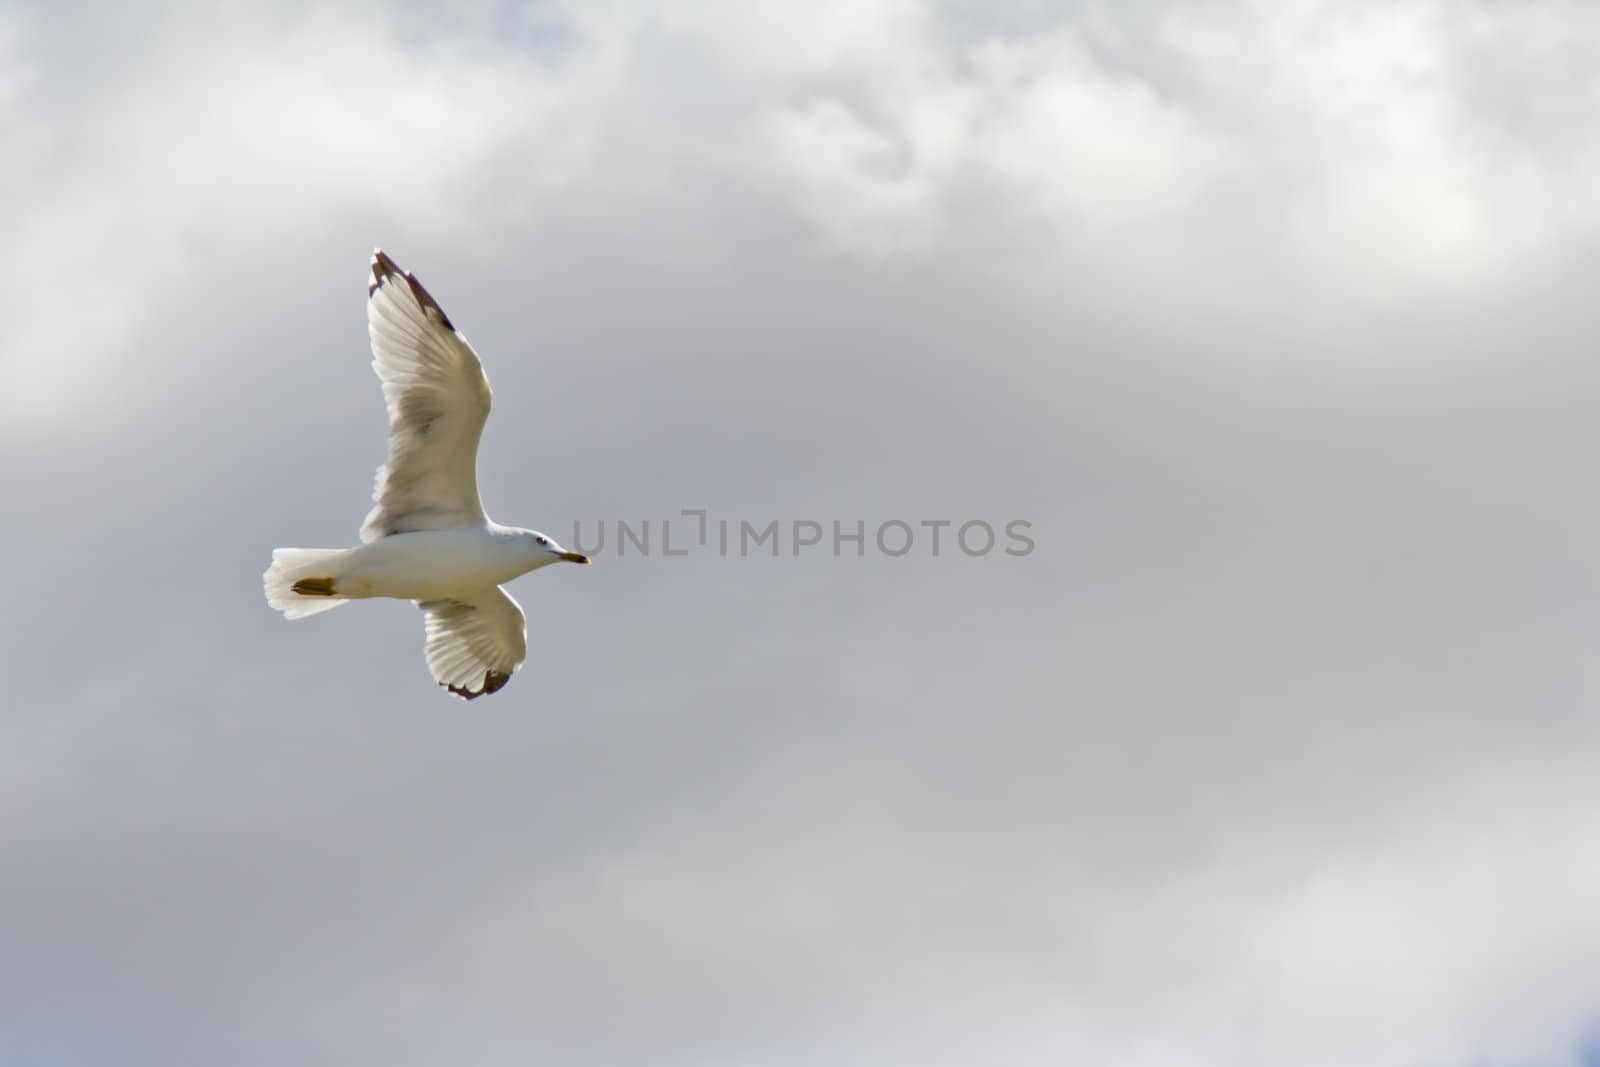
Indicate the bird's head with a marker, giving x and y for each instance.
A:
(544, 550)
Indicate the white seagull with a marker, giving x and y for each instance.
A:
(427, 538)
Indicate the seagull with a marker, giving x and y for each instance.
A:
(427, 538)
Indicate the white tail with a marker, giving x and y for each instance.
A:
(291, 565)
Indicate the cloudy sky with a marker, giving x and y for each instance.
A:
(1273, 318)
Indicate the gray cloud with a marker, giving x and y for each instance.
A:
(1272, 319)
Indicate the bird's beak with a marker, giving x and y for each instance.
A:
(575, 557)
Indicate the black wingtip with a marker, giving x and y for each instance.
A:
(493, 682)
(384, 268)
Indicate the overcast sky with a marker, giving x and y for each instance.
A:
(1273, 318)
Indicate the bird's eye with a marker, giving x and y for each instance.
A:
(544, 540)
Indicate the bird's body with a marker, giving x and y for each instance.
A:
(427, 538)
(431, 564)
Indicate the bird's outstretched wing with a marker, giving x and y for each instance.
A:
(476, 642)
(438, 399)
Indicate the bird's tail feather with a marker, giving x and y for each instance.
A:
(300, 580)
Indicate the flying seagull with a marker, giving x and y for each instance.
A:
(427, 538)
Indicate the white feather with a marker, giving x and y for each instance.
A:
(473, 638)
(289, 565)
(438, 398)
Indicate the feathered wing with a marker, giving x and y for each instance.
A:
(476, 642)
(438, 399)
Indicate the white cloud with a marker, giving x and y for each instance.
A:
(866, 189)
(1033, 130)
(1369, 118)
(1090, 147)
(272, 126)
